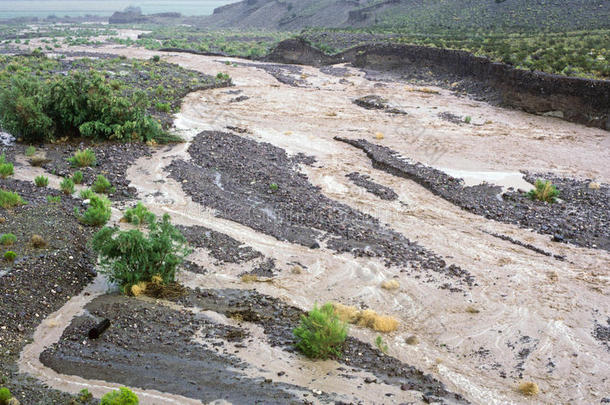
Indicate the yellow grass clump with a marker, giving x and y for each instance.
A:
(346, 313)
(156, 279)
(390, 285)
(249, 278)
(366, 318)
(379, 135)
(138, 289)
(528, 388)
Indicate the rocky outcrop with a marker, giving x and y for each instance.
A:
(585, 101)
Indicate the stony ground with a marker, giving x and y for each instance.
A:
(262, 188)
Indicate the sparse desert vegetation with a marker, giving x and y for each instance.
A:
(321, 333)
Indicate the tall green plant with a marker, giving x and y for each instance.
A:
(130, 257)
(321, 333)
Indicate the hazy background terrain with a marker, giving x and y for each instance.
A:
(43, 8)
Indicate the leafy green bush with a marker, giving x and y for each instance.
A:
(123, 396)
(274, 187)
(223, 76)
(139, 215)
(6, 169)
(102, 185)
(9, 199)
(41, 181)
(130, 257)
(77, 177)
(30, 150)
(321, 333)
(86, 193)
(10, 256)
(5, 395)
(83, 158)
(544, 191)
(54, 199)
(156, 58)
(7, 239)
(67, 186)
(98, 212)
(80, 104)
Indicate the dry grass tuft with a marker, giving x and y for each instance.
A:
(412, 340)
(366, 318)
(38, 160)
(138, 289)
(472, 310)
(38, 241)
(249, 278)
(297, 269)
(390, 285)
(346, 313)
(165, 291)
(528, 388)
(379, 135)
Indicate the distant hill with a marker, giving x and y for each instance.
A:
(415, 14)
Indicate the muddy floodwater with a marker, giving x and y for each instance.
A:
(487, 312)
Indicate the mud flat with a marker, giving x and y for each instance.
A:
(581, 217)
(257, 184)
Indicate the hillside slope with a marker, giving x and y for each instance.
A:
(414, 14)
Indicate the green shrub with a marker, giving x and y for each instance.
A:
(274, 187)
(83, 158)
(163, 107)
(6, 169)
(86, 193)
(544, 191)
(41, 181)
(98, 212)
(139, 215)
(156, 58)
(10, 256)
(122, 396)
(84, 395)
(381, 345)
(67, 186)
(30, 150)
(223, 76)
(321, 333)
(102, 185)
(5, 395)
(54, 199)
(468, 119)
(130, 257)
(9, 199)
(7, 239)
(77, 177)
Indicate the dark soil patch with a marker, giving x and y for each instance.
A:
(233, 175)
(373, 102)
(40, 281)
(113, 160)
(452, 118)
(364, 181)
(601, 332)
(220, 246)
(286, 74)
(278, 319)
(152, 347)
(581, 217)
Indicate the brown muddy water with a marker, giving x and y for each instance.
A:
(528, 317)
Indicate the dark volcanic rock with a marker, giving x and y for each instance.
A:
(373, 102)
(383, 192)
(581, 217)
(235, 176)
(221, 247)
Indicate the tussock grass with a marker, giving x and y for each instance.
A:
(366, 318)
(528, 388)
(390, 285)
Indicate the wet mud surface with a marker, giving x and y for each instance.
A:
(235, 176)
(278, 319)
(581, 217)
(152, 346)
(364, 181)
